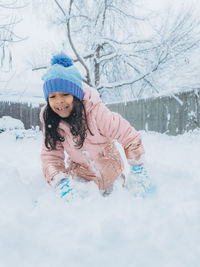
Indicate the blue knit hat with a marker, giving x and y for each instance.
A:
(62, 76)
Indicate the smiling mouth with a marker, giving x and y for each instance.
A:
(62, 109)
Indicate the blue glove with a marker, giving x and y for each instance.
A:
(139, 183)
(64, 189)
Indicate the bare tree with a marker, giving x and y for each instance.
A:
(105, 37)
(98, 35)
(8, 21)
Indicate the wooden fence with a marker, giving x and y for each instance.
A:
(166, 114)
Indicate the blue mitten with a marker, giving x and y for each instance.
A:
(138, 182)
(64, 189)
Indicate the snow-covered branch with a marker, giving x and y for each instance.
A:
(7, 33)
(114, 54)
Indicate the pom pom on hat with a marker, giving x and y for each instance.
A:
(62, 76)
(62, 59)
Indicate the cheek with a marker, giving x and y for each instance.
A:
(72, 104)
(50, 103)
(71, 101)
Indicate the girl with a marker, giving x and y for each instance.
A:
(76, 121)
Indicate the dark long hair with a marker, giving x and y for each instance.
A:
(77, 122)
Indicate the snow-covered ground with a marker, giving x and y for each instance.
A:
(162, 230)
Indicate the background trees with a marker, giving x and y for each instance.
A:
(124, 50)
(8, 21)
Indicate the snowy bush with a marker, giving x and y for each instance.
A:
(8, 123)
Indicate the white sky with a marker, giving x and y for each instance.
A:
(161, 4)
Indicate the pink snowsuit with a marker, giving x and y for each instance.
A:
(98, 160)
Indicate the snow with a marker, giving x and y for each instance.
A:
(9, 123)
(39, 229)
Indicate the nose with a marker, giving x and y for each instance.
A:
(59, 100)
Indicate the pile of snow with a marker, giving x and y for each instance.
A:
(8, 123)
(39, 229)
(15, 127)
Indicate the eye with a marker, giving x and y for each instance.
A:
(52, 96)
(66, 94)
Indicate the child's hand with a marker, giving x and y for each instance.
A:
(139, 182)
(139, 169)
(64, 189)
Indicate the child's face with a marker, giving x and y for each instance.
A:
(61, 103)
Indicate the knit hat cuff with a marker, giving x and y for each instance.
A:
(60, 85)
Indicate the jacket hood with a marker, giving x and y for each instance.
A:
(91, 98)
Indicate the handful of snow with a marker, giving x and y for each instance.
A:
(8, 123)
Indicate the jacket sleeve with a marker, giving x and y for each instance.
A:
(113, 126)
(53, 161)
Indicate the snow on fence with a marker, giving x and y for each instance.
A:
(165, 114)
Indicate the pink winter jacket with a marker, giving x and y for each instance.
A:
(98, 160)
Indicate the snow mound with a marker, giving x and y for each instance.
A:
(8, 123)
(39, 229)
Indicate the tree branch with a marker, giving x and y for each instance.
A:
(126, 14)
(70, 39)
